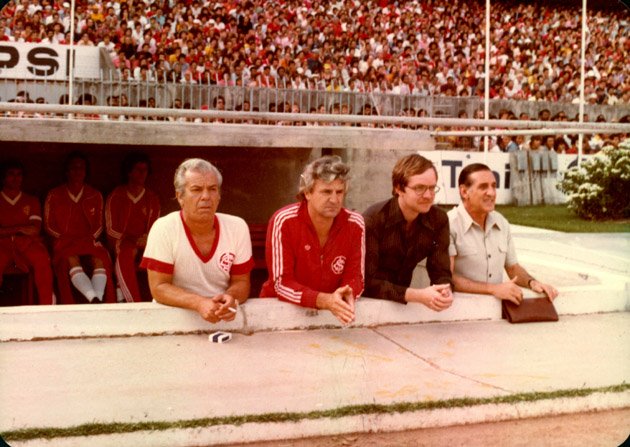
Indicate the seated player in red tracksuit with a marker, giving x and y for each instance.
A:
(315, 248)
(73, 216)
(20, 229)
(130, 211)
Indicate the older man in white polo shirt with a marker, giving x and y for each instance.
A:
(197, 258)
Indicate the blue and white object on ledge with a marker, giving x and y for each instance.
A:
(220, 337)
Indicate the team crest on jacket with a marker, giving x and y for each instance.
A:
(26, 210)
(225, 261)
(338, 264)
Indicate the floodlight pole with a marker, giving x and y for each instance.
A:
(486, 99)
(582, 69)
(71, 56)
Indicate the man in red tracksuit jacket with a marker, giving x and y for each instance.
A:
(73, 216)
(315, 248)
(130, 212)
(20, 228)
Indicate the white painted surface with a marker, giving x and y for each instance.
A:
(62, 383)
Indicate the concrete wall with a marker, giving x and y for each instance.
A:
(371, 176)
(269, 314)
(261, 164)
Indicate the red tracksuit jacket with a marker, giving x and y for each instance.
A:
(299, 268)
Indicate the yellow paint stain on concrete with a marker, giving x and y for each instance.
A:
(354, 350)
(361, 346)
(360, 355)
(401, 392)
(450, 344)
(357, 351)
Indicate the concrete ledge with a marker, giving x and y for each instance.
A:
(592, 299)
(211, 135)
(251, 432)
(264, 314)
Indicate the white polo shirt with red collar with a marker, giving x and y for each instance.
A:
(171, 249)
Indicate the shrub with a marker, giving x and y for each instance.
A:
(600, 187)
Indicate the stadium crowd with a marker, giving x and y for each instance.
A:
(424, 47)
(418, 47)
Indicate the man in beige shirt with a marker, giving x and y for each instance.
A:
(481, 244)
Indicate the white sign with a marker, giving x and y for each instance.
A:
(450, 163)
(47, 61)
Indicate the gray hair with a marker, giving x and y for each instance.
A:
(197, 165)
(327, 169)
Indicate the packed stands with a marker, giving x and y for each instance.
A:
(412, 59)
(421, 47)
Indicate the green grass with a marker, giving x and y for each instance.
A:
(558, 217)
(352, 410)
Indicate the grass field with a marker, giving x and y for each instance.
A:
(558, 217)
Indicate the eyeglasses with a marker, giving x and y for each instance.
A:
(421, 189)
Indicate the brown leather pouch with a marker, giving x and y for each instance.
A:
(530, 311)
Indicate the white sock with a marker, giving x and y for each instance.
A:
(83, 284)
(99, 280)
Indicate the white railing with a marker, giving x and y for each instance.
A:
(473, 127)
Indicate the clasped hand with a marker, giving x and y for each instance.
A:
(340, 303)
(217, 308)
(437, 297)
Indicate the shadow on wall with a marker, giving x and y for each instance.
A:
(255, 182)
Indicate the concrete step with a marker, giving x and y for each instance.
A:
(183, 390)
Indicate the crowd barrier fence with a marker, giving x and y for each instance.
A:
(195, 96)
